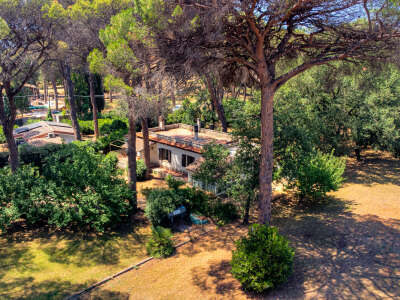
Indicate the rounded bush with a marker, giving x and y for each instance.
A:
(263, 260)
(160, 244)
(160, 203)
(320, 174)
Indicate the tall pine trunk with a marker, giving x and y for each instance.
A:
(267, 151)
(8, 122)
(247, 211)
(65, 89)
(94, 105)
(217, 93)
(54, 84)
(72, 103)
(132, 155)
(146, 146)
(46, 92)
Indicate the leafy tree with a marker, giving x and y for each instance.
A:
(82, 22)
(76, 188)
(129, 59)
(82, 92)
(26, 36)
(241, 179)
(214, 167)
(260, 36)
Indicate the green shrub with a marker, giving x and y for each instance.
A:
(320, 174)
(223, 212)
(49, 115)
(160, 203)
(86, 127)
(173, 183)
(195, 200)
(115, 125)
(140, 170)
(2, 136)
(160, 244)
(76, 188)
(263, 260)
(3, 159)
(111, 141)
(37, 155)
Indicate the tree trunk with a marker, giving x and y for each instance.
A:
(54, 84)
(173, 98)
(12, 146)
(132, 155)
(217, 93)
(94, 106)
(358, 153)
(267, 152)
(111, 97)
(247, 211)
(146, 144)
(46, 92)
(65, 88)
(8, 122)
(72, 104)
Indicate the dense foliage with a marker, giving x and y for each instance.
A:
(37, 156)
(75, 188)
(161, 202)
(263, 260)
(81, 90)
(319, 174)
(160, 244)
(342, 107)
(140, 170)
(2, 136)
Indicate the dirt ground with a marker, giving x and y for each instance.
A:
(346, 248)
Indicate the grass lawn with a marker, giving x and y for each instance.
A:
(38, 264)
(45, 264)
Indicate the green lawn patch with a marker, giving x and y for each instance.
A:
(38, 264)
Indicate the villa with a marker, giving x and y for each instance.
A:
(178, 147)
(42, 133)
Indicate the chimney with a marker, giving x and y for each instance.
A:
(198, 124)
(161, 123)
(196, 132)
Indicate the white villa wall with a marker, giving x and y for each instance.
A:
(153, 155)
(176, 157)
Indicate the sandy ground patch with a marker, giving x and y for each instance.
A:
(346, 248)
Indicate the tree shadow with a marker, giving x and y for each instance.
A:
(41, 291)
(375, 168)
(22, 246)
(338, 255)
(215, 240)
(78, 248)
(105, 295)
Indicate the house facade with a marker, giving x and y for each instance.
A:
(179, 146)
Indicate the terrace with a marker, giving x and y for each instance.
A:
(183, 136)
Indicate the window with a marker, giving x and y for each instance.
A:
(187, 160)
(164, 154)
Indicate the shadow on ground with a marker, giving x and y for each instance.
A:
(375, 168)
(339, 255)
(26, 252)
